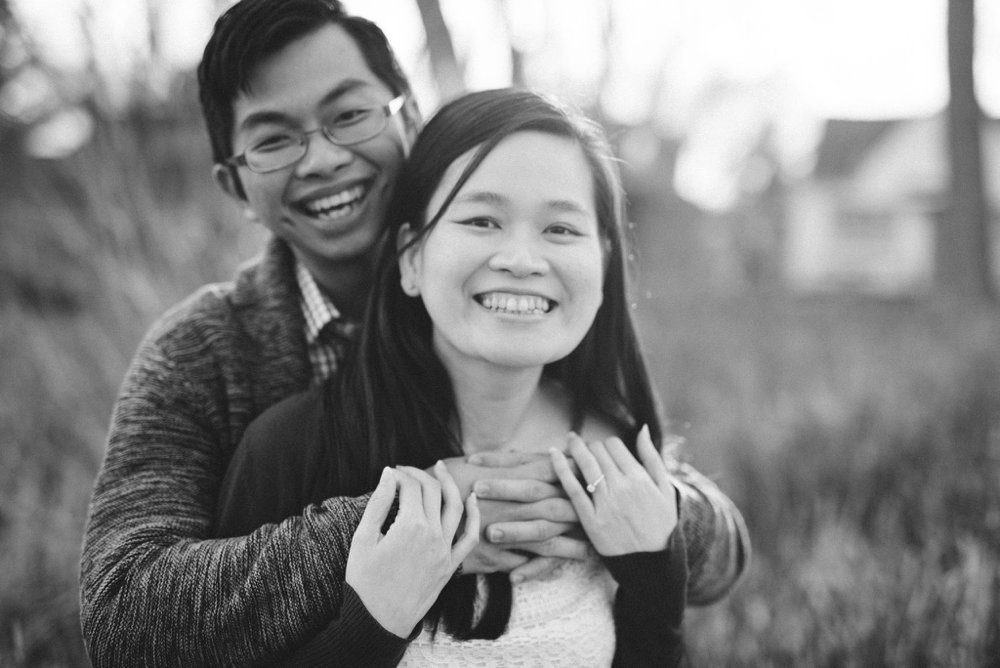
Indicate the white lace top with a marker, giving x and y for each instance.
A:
(563, 621)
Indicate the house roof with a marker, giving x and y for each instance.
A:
(845, 144)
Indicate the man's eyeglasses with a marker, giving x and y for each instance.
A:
(285, 148)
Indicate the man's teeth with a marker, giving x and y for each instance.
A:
(330, 204)
(520, 304)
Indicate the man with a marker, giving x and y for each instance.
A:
(310, 118)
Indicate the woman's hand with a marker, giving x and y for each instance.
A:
(398, 575)
(627, 506)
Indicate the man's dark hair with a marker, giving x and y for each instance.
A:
(252, 30)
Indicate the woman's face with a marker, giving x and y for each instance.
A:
(512, 274)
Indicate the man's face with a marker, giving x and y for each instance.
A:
(330, 205)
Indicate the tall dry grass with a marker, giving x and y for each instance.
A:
(859, 437)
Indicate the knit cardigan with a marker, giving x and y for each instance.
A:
(155, 590)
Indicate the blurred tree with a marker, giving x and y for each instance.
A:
(964, 243)
(449, 75)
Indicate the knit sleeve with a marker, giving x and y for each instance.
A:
(155, 590)
(718, 545)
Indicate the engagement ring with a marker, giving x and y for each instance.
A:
(592, 487)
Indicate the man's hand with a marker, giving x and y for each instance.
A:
(525, 514)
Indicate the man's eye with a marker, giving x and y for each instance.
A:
(274, 143)
(352, 116)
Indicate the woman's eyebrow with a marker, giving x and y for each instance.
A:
(490, 197)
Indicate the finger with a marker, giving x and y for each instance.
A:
(502, 458)
(539, 568)
(451, 514)
(574, 490)
(411, 502)
(608, 466)
(430, 493)
(529, 531)
(523, 491)
(652, 461)
(560, 546)
(553, 510)
(377, 510)
(623, 459)
(470, 534)
(528, 466)
(590, 469)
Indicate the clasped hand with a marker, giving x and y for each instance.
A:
(398, 575)
(629, 504)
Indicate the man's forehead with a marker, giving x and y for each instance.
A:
(314, 70)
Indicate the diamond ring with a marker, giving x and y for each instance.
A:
(592, 487)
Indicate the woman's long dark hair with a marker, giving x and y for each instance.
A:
(394, 401)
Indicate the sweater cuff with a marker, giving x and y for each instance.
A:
(663, 573)
(358, 639)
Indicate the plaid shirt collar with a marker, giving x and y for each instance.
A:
(329, 334)
(316, 306)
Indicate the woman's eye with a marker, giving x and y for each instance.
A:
(562, 229)
(480, 222)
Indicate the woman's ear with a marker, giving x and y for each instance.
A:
(409, 260)
(228, 181)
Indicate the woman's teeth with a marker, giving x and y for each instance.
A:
(519, 304)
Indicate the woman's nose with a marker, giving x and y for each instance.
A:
(519, 256)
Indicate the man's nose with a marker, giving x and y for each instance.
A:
(322, 157)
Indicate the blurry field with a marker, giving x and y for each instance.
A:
(859, 437)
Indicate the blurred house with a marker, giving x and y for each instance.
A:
(867, 217)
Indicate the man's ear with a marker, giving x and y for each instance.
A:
(412, 117)
(229, 182)
(408, 122)
(409, 256)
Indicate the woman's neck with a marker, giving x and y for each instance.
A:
(502, 409)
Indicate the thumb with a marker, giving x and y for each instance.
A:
(378, 507)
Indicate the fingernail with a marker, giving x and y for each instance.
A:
(495, 535)
(644, 432)
(473, 498)
(475, 460)
(439, 466)
(481, 488)
(386, 472)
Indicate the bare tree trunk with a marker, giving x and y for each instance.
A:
(964, 240)
(448, 72)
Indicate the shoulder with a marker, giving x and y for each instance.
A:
(270, 475)
(296, 419)
(256, 311)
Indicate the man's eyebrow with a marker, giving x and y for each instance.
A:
(268, 116)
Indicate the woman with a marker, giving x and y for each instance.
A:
(504, 252)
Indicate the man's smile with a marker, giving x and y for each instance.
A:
(337, 205)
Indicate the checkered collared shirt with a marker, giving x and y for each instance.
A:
(328, 333)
